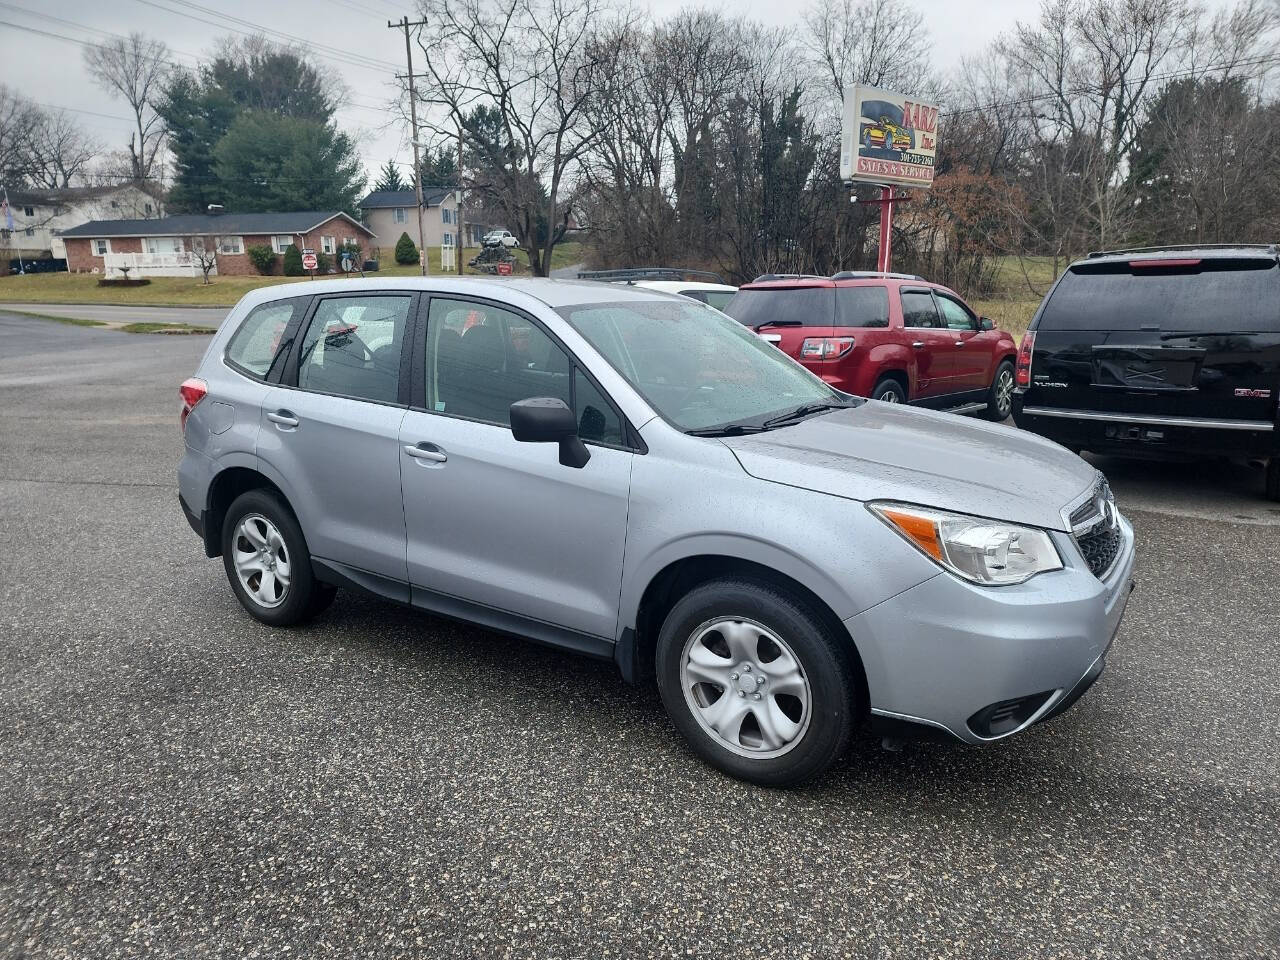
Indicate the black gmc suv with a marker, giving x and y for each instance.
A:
(1163, 353)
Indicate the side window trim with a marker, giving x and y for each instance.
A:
(418, 399)
(289, 375)
(973, 318)
(937, 313)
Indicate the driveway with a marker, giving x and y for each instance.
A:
(178, 780)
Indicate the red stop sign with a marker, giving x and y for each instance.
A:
(504, 269)
(308, 261)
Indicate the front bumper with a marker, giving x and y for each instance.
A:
(984, 663)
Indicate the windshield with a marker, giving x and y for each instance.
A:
(697, 368)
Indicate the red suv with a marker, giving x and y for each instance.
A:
(888, 336)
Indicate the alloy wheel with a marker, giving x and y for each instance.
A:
(746, 688)
(1004, 392)
(261, 560)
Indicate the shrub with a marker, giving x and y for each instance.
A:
(123, 282)
(323, 263)
(293, 261)
(263, 258)
(406, 252)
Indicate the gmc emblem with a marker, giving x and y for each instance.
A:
(1250, 392)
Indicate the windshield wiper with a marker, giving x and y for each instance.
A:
(778, 323)
(799, 413)
(728, 430)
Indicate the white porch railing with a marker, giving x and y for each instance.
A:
(152, 265)
(447, 262)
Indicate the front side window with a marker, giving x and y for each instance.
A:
(696, 367)
(918, 310)
(481, 359)
(956, 316)
(254, 346)
(352, 347)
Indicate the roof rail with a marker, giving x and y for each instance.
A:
(1173, 247)
(631, 274)
(860, 274)
(764, 277)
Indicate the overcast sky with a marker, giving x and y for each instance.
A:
(49, 69)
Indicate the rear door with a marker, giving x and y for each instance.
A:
(1177, 338)
(787, 316)
(932, 345)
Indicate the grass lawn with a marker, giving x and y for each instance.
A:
(169, 328)
(1021, 283)
(193, 292)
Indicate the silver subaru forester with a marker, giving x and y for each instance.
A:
(635, 476)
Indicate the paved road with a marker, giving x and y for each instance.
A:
(195, 316)
(177, 780)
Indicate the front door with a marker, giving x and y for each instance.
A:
(974, 347)
(932, 345)
(331, 431)
(500, 523)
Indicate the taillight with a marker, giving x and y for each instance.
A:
(1025, 349)
(825, 348)
(192, 391)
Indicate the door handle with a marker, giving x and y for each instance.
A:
(430, 452)
(959, 343)
(284, 418)
(919, 344)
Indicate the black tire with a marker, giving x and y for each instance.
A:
(890, 390)
(305, 596)
(1273, 479)
(832, 692)
(1000, 400)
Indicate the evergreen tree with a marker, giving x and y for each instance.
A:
(406, 252)
(389, 178)
(293, 261)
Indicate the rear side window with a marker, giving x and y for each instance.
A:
(918, 309)
(352, 347)
(862, 307)
(1239, 295)
(806, 306)
(254, 346)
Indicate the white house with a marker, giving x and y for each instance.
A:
(40, 216)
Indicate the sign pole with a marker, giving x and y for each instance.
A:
(886, 229)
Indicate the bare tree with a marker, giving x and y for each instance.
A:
(134, 68)
(19, 120)
(538, 64)
(880, 43)
(204, 250)
(60, 151)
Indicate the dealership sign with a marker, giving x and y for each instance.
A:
(888, 138)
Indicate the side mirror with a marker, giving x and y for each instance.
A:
(986, 323)
(549, 420)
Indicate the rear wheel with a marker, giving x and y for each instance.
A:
(267, 562)
(753, 680)
(1000, 395)
(1273, 479)
(890, 391)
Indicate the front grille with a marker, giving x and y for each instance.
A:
(1100, 548)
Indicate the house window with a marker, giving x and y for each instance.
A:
(28, 211)
(326, 244)
(448, 239)
(115, 204)
(231, 245)
(158, 245)
(348, 241)
(30, 231)
(444, 215)
(280, 242)
(400, 215)
(100, 247)
(147, 208)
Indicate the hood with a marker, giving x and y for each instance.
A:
(885, 451)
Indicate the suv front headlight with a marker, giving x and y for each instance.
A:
(988, 552)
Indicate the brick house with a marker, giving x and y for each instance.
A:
(164, 246)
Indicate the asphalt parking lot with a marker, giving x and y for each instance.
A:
(178, 780)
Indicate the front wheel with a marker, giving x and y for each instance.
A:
(755, 682)
(1000, 395)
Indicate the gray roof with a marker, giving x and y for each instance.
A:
(45, 196)
(431, 197)
(201, 224)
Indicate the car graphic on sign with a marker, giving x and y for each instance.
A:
(886, 135)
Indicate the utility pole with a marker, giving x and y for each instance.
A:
(404, 25)
(461, 223)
